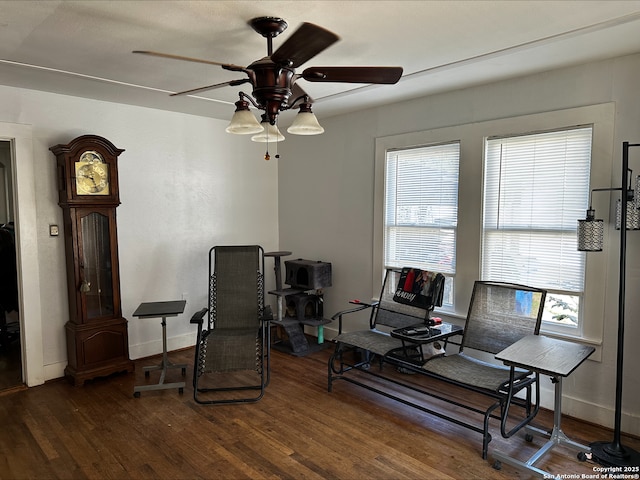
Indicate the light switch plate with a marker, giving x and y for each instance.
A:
(54, 231)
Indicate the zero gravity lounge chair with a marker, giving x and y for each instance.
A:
(233, 349)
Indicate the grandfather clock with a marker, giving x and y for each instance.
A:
(97, 339)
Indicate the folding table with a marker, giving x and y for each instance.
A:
(557, 359)
(161, 310)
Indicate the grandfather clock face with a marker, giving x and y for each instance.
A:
(92, 174)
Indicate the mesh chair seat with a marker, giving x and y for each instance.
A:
(232, 349)
(499, 315)
(371, 340)
(471, 371)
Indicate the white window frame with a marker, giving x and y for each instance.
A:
(469, 236)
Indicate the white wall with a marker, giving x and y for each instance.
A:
(185, 185)
(334, 183)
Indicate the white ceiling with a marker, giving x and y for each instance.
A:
(83, 48)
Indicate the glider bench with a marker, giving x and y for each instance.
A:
(403, 340)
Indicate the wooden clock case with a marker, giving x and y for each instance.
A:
(97, 338)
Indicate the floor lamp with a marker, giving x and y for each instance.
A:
(590, 239)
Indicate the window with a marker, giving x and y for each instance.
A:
(421, 210)
(555, 174)
(536, 187)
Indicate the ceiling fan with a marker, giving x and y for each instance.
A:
(274, 79)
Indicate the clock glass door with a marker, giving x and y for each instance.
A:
(96, 274)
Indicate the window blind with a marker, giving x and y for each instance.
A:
(536, 187)
(421, 207)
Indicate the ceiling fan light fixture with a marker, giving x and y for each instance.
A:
(270, 133)
(273, 79)
(305, 122)
(243, 121)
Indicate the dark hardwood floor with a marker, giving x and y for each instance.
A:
(297, 431)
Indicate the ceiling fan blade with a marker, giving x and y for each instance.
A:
(303, 44)
(231, 83)
(386, 75)
(227, 66)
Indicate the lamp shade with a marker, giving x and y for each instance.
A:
(633, 215)
(590, 233)
(269, 133)
(305, 122)
(243, 122)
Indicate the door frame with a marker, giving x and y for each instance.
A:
(24, 200)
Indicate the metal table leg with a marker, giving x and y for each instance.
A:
(163, 367)
(556, 437)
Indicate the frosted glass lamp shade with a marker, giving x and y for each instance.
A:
(243, 122)
(590, 233)
(269, 133)
(305, 123)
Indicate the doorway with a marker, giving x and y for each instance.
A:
(10, 347)
(23, 172)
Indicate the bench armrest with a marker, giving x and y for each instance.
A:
(361, 306)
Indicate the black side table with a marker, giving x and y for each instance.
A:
(415, 337)
(161, 310)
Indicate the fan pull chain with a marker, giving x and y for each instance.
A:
(266, 154)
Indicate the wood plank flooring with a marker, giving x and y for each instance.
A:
(297, 431)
